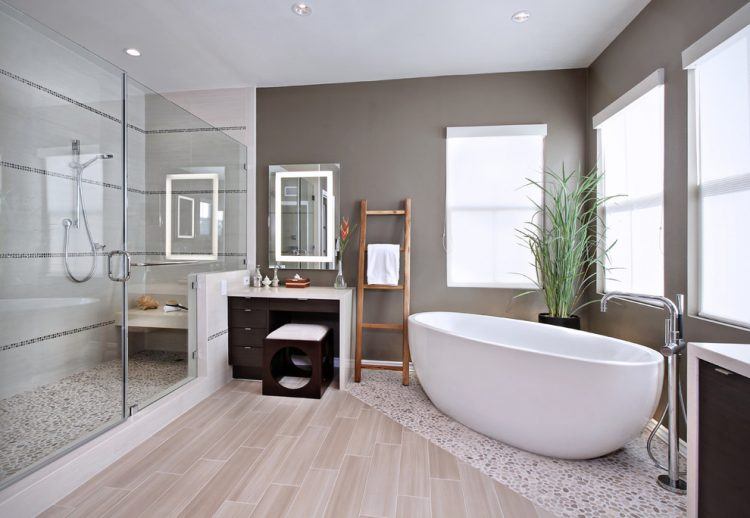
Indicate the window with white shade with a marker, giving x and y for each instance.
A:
(720, 162)
(487, 198)
(631, 157)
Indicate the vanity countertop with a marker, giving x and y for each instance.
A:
(735, 357)
(313, 292)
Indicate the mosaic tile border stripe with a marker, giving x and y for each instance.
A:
(195, 130)
(217, 335)
(60, 96)
(55, 174)
(106, 115)
(53, 255)
(46, 255)
(59, 334)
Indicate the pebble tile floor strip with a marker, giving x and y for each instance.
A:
(39, 422)
(621, 484)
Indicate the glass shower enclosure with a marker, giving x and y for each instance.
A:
(110, 197)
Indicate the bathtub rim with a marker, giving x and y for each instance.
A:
(657, 357)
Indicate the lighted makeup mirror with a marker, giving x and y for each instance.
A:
(192, 235)
(302, 216)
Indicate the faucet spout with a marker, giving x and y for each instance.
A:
(655, 300)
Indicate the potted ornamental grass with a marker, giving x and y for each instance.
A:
(565, 243)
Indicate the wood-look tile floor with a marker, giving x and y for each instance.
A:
(239, 454)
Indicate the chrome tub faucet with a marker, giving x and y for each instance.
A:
(674, 344)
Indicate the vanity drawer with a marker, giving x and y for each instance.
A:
(242, 336)
(248, 303)
(248, 317)
(305, 305)
(246, 356)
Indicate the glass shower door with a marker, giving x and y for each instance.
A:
(61, 211)
(186, 214)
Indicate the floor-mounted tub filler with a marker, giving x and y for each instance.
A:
(548, 390)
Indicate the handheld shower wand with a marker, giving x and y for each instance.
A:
(78, 168)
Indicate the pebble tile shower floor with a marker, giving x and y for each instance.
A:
(619, 484)
(38, 422)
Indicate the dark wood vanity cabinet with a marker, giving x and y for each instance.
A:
(723, 442)
(252, 318)
(248, 326)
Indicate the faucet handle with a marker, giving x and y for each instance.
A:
(680, 302)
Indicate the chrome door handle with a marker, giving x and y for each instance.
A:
(126, 258)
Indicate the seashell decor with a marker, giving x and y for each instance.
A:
(146, 302)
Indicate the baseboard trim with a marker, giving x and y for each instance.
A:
(663, 434)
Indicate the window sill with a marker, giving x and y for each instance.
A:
(716, 321)
(519, 287)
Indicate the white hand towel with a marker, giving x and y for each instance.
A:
(382, 264)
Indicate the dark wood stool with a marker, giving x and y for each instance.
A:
(279, 346)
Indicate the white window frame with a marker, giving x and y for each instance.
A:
(487, 131)
(653, 80)
(719, 37)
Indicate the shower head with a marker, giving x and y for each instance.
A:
(96, 157)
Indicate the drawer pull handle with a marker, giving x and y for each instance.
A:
(248, 329)
(248, 310)
(246, 347)
(722, 371)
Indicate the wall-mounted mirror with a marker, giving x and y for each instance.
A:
(303, 215)
(192, 235)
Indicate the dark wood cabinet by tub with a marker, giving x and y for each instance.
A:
(723, 443)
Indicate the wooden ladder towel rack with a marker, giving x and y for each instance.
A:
(362, 286)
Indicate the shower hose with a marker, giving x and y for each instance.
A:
(67, 223)
(683, 413)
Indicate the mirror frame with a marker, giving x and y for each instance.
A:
(277, 172)
(214, 178)
(328, 175)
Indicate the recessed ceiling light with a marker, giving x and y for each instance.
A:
(521, 16)
(302, 9)
(133, 52)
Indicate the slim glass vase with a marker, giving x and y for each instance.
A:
(340, 283)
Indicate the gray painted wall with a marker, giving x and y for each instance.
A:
(656, 38)
(389, 137)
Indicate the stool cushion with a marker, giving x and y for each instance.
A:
(311, 332)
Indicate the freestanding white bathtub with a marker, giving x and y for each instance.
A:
(545, 389)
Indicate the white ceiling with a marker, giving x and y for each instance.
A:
(202, 44)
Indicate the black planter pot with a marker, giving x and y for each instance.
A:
(571, 322)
